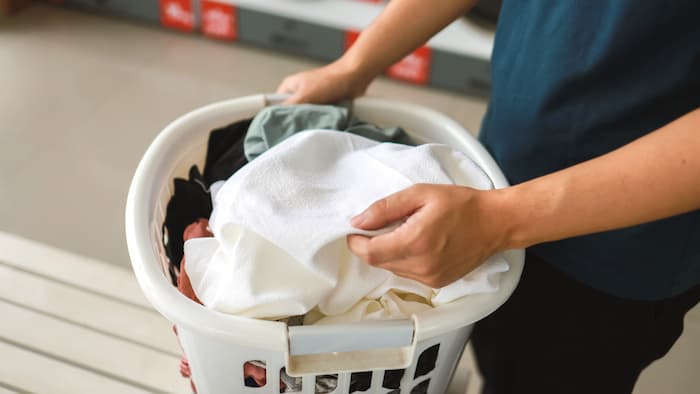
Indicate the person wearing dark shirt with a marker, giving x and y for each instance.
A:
(594, 117)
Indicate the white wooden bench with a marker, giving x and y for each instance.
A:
(75, 325)
(70, 324)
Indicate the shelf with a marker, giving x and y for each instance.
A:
(461, 37)
(457, 58)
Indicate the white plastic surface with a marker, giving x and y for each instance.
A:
(212, 339)
(350, 337)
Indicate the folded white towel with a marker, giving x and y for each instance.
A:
(280, 225)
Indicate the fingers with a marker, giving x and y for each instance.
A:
(321, 85)
(378, 250)
(387, 253)
(288, 85)
(302, 93)
(296, 98)
(297, 93)
(390, 209)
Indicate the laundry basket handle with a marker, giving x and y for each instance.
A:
(276, 98)
(323, 349)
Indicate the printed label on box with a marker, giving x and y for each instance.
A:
(414, 68)
(219, 20)
(177, 14)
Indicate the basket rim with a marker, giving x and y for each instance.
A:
(270, 334)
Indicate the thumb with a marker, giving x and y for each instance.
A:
(390, 209)
(290, 87)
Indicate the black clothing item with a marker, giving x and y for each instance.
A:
(190, 201)
(225, 153)
(557, 335)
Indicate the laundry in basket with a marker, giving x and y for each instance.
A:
(411, 356)
(280, 225)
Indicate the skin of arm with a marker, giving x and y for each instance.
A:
(450, 230)
(389, 38)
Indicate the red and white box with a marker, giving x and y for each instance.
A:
(177, 14)
(414, 68)
(219, 20)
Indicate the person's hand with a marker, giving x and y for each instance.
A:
(447, 232)
(328, 84)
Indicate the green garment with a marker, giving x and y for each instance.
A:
(274, 124)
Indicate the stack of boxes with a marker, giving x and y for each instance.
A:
(456, 59)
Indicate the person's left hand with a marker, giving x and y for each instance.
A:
(447, 232)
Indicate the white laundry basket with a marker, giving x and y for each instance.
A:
(217, 345)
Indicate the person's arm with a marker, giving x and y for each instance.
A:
(401, 27)
(654, 177)
(450, 230)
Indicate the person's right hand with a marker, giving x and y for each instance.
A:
(327, 84)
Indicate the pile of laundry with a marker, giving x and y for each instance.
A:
(271, 212)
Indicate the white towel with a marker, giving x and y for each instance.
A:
(280, 225)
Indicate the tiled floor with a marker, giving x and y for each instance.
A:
(81, 97)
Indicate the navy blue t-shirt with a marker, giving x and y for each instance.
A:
(573, 80)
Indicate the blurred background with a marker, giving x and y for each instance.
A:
(86, 85)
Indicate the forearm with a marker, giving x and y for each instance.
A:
(654, 177)
(403, 26)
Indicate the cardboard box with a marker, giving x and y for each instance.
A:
(457, 59)
(289, 35)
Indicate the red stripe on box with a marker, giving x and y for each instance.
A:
(414, 68)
